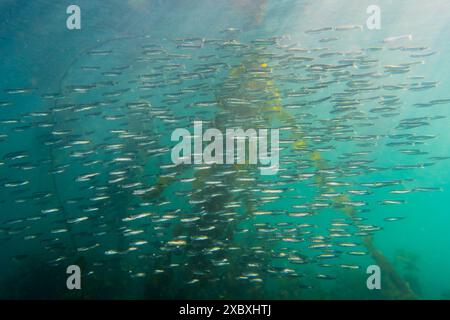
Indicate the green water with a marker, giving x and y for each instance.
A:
(85, 151)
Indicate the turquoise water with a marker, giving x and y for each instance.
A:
(87, 178)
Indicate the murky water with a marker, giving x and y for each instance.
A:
(86, 149)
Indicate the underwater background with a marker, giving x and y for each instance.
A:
(87, 178)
